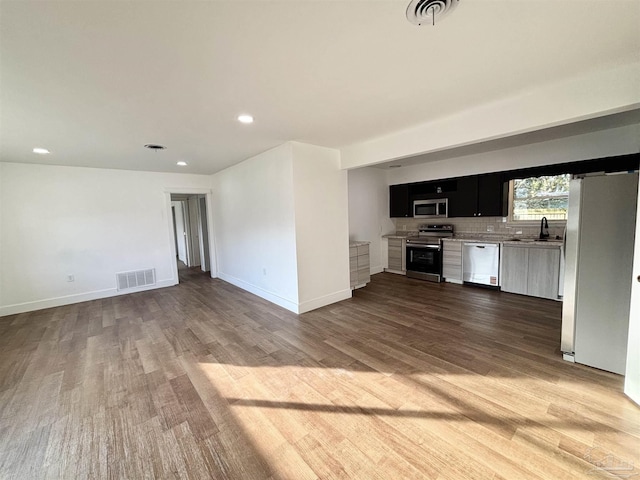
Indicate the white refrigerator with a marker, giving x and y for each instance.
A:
(598, 270)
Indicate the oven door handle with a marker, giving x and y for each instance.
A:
(417, 245)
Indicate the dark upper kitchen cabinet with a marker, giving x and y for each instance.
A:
(487, 195)
(399, 205)
(464, 201)
(432, 189)
(472, 196)
(478, 196)
(492, 195)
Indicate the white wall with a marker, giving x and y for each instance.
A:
(322, 226)
(281, 226)
(254, 225)
(615, 141)
(632, 373)
(90, 223)
(369, 211)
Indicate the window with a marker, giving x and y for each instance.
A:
(536, 197)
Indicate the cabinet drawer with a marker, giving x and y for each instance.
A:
(363, 250)
(353, 264)
(452, 258)
(449, 246)
(395, 242)
(395, 264)
(363, 275)
(363, 260)
(452, 272)
(353, 251)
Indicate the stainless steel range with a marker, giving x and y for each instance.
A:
(424, 252)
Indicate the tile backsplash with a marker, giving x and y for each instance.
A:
(485, 226)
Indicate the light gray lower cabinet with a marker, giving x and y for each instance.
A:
(452, 261)
(397, 263)
(544, 272)
(359, 266)
(515, 269)
(531, 271)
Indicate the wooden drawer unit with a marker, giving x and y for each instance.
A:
(359, 265)
(452, 261)
(397, 248)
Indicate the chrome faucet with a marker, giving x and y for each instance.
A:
(544, 229)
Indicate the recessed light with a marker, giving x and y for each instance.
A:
(154, 146)
(245, 118)
(182, 163)
(41, 151)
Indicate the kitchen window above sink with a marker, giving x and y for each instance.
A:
(532, 198)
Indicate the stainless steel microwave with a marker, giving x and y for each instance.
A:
(437, 208)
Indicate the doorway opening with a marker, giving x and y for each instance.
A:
(191, 235)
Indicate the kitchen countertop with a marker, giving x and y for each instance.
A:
(408, 233)
(535, 243)
(358, 243)
(508, 241)
(469, 237)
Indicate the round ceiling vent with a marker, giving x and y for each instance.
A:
(426, 12)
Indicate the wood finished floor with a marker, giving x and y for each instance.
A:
(407, 380)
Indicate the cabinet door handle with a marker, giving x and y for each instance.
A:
(638, 278)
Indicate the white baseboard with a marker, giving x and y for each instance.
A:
(113, 292)
(77, 298)
(397, 272)
(284, 302)
(272, 297)
(324, 300)
(378, 269)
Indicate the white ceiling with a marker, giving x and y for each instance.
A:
(94, 81)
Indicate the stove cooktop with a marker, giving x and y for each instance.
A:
(431, 234)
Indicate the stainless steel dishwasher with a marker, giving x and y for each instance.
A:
(481, 263)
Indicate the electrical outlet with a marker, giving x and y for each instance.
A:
(490, 228)
(71, 278)
(518, 232)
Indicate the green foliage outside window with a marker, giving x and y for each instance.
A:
(537, 197)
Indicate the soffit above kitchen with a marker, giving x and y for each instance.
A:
(579, 127)
(95, 81)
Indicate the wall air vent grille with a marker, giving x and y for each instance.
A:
(426, 12)
(139, 278)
